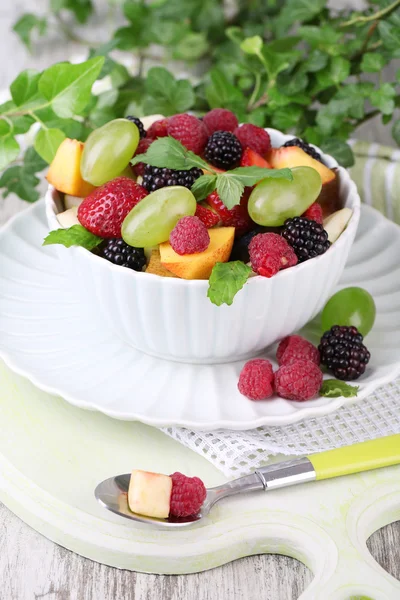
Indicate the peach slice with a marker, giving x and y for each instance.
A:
(150, 494)
(65, 170)
(199, 265)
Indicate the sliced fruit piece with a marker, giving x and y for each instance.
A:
(68, 218)
(150, 494)
(293, 156)
(336, 223)
(65, 170)
(207, 215)
(70, 201)
(155, 267)
(251, 158)
(150, 119)
(199, 266)
(237, 217)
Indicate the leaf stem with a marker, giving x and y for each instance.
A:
(70, 35)
(37, 119)
(255, 93)
(360, 19)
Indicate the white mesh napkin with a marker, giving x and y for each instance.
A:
(238, 452)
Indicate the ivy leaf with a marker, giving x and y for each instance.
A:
(221, 93)
(372, 62)
(166, 95)
(81, 9)
(390, 35)
(252, 45)
(47, 142)
(296, 11)
(315, 61)
(25, 87)
(9, 150)
(396, 132)
(334, 388)
(67, 87)
(190, 47)
(230, 190)
(33, 163)
(22, 123)
(27, 25)
(287, 118)
(76, 235)
(383, 98)
(203, 186)
(21, 179)
(339, 150)
(226, 280)
(340, 69)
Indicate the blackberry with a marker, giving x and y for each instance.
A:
(157, 177)
(138, 124)
(223, 150)
(343, 352)
(307, 238)
(304, 146)
(120, 253)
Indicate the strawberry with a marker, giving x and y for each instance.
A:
(251, 158)
(237, 216)
(208, 216)
(104, 210)
(314, 212)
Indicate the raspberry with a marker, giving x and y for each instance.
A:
(254, 137)
(256, 380)
(103, 211)
(220, 119)
(237, 217)
(300, 380)
(189, 236)
(314, 213)
(223, 150)
(294, 347)
(268, 254)
(189, 130)
(143, 146)
(207, 216)
(187, 495)
(158, 129)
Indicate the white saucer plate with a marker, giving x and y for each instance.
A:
(61, 345)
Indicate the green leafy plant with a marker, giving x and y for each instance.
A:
(294, 65)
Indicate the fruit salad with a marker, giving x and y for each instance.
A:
(196, 198)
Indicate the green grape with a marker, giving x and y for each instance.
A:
(108, 151)
(352, 306)
(274, 200)
(151, 221)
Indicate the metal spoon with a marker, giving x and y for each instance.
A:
(113, 492)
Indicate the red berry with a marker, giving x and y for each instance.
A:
(207, 216)
(314, 213)
(220, 119)
(104, 210)
(158, 129)
(300, 380)
(269, 253)
(189, 236)
(189, 130)
(255, 137)
(141, 149)
(187, 495)
(256, 380)
(251, 158)
(237, 217)
(294, 347)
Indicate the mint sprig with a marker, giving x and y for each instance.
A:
(76, 235)
(170, 153)
(226, 280)
(334, 388)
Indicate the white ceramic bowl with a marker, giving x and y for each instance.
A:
(173, 318)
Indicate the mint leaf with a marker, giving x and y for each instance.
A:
(339, 150)
(47, 142)
(25, 86)
(226, 280)
(68, 86)
(26, 25)
(76, 235)
(230, 190)
(333, 388)
(249, 176)
(170, 153)
(203, 186)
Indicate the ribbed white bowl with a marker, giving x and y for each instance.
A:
(173, 318)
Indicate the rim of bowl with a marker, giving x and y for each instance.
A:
(353, 201)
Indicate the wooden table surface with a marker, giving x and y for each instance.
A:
(33, 568)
